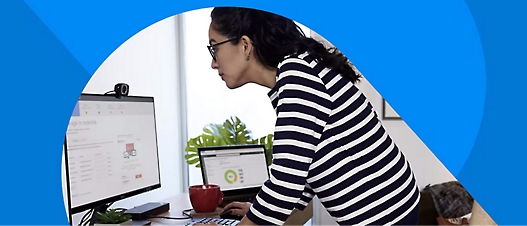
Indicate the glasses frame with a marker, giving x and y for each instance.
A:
(211, 47)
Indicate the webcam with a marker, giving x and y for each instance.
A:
(121, 90)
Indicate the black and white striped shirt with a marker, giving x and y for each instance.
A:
(329, 141)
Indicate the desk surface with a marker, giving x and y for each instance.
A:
(181, 202)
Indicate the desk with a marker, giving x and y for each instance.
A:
(181, 202)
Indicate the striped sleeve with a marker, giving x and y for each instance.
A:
(303, 107)
(307, 196)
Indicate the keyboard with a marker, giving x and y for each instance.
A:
(219, 221)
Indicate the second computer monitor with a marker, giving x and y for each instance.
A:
(234, 167)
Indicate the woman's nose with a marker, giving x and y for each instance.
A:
(214, 64)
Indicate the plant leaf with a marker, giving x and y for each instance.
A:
(267, 141)
(239, 134)
(193, 161)
(231, 132)
(112, 216)
(203, 140)
(187, 156)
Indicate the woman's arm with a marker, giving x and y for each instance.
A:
(302, 110)
(306, 198)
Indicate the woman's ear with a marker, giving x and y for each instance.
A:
(247, 45)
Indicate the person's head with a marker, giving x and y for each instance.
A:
(248, 44)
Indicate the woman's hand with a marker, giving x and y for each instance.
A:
(238, 208)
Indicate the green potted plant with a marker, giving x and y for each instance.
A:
(231, 132)
(113, 217)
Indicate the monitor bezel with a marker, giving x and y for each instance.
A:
(98, 203)
(235, 192)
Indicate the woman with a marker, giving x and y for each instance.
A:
(328, 140)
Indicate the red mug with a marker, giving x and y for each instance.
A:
(205, 198)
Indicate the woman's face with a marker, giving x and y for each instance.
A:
(230, 60)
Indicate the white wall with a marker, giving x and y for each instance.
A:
(148, 62)
(427, 168)
(208, 99)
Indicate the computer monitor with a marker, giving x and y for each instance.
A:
(110, 150)
(237, 169)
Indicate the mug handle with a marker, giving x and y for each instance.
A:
(220, 200)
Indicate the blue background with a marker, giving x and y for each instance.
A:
(452, 69)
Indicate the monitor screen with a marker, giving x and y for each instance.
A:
(234, 168)
(111, 150)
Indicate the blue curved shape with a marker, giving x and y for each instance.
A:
(424, 57)
(495, 171)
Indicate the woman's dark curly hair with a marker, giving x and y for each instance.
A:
(275, 37)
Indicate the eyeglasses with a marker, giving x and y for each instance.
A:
(211, 47)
